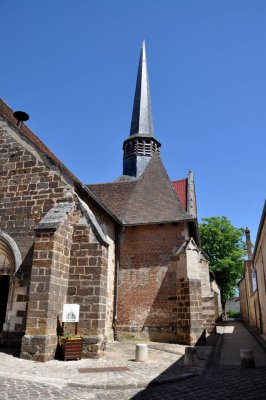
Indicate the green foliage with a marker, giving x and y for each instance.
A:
(233, 314)
(224, 244)
(62, 339)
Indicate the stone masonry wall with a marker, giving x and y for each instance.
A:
(28, 189)
(87, 286)
(189, 311)
(209, 312)
(48, 290)
(147, 281)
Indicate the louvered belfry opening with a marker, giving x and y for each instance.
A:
(141, 147)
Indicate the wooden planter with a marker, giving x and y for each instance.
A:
(71, 348)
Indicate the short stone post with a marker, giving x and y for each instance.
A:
(142, 353)
(191, 357)
(247, 358)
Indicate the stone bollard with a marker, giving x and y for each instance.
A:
(142, 352)
(191, 357)
(247, 358)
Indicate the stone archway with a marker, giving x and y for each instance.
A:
(10, 260)
(10, 257)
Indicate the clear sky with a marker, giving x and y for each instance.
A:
(72, 66)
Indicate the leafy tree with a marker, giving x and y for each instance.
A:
(224, 244)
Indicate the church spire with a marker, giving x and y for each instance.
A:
(141, 122)
(141, 144)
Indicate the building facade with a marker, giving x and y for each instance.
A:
(127, 252)
(252, 286)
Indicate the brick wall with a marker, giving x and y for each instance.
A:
(147, 281)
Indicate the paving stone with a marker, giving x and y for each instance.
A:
(219, 377)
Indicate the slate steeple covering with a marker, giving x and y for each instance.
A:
(148, 200)
(144, 193)
(141, 122)
(141, 144)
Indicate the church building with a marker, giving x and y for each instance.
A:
(128, 252)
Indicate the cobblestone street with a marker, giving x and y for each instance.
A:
(26, 390)
(226, 383)
(219, 375)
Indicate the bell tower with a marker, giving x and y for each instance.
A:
(141, 144)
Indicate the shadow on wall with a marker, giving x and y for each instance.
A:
(152, 290)
(17, 306)
(161, 321)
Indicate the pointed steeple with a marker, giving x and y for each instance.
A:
(141, 122)
(141, 145)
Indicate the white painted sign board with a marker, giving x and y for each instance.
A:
(70, 313)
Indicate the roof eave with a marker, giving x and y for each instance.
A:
(163, 222)
(263, 216)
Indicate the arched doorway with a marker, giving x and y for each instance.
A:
(10, 260)
(4, 290)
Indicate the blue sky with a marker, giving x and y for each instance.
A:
(72, 66)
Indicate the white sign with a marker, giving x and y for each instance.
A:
(70, 313)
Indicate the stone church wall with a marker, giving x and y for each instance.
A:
(48, 289)
(88, 286)
(30, 187)
(28, 190)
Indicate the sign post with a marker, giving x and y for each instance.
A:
(70, 314)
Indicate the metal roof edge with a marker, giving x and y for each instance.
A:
(263, 216)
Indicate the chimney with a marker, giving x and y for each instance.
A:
(249, 244)
(20, 116)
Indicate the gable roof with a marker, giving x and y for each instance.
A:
(7, 113)
(148, 200)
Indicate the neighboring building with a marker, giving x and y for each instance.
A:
(253, 284)
(127, 252)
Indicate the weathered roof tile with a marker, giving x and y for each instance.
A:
(150, 199)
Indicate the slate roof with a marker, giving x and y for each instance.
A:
(149, 200)
(115, 196)
(141, 122)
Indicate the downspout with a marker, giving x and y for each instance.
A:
(247, 298)
(118, 235)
